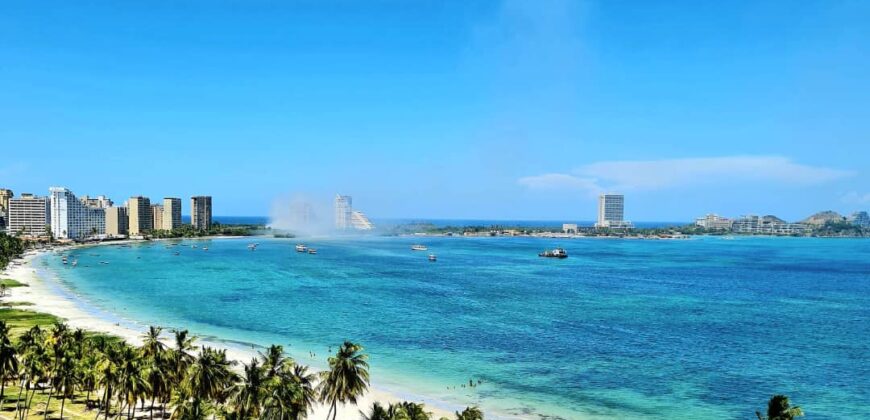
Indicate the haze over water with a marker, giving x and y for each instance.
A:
(699, 328)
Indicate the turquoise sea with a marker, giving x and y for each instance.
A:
(699, 328)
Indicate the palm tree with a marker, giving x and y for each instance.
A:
(210, 376)
(249, 394)
(376, 413)
(346, 379)
(152, 347)
(188, 408)
(779, 408)
(108, 370)
(8, 361)
(34, 359)
(304, 381)
(181, 354)
(414, 411)
(65, 381)
(57, 340)
(291, 394)
(470, 413)
(133, 385)
(273, 360)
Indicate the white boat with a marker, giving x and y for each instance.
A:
(418, 247)
(433, 258)
(554, 253)
(75, 263)
(312, 251)
(205, 248)
(252, 246)
(301, 248)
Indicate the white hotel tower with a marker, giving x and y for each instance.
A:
(72, 219)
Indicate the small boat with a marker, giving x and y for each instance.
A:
(177, 253)
(104, 262)
(433, 258)
(554, 253)
(418, 248)
(205, 248)
(75, 263)
(193, 246)
(252, 246)
(301, 248)
(312, 251)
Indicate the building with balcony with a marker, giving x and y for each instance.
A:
(29, 216)
(139, 216)
(72, 218)
(200, 212)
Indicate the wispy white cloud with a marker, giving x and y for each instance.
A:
(670, 173)
(855, 197)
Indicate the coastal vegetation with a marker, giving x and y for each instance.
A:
(11, 247)
(216, 229)
(48, 370)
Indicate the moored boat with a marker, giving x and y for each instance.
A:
(418, 247)
(554, 253)
(301, 248)
(312, 251)
(433, 258)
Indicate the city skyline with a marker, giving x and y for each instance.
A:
(503, 110)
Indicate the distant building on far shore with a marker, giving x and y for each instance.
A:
(359, 221)
(117, 221)
(343, 210)
(139, 216)
(156, 217)
(28, 215)
(860, 218)
(714, 221)
(569, 228)
(200, 212)
(348, 218)
(171, 213)
(611, 212)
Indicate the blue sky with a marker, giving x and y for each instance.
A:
(490, 110)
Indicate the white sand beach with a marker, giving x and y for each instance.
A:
(46, 298)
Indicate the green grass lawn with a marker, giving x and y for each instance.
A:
(20, 320)
(11, 283)
(74, 408)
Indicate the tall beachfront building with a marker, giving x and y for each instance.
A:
(359, 221)
(139, 215)
(171, 213)
(28, 215)
(343, 211)
(156, 216)
(611, 211)
(200, 212)
(71, 218)
(117, 221)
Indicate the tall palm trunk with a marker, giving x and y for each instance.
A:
(18, 401)
(48, 401)
(62, 402)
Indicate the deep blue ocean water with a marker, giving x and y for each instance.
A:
(698, 328)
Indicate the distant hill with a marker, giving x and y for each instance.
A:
(822, 217)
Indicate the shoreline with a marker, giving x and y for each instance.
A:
(49, 296)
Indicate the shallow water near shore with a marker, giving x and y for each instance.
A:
(705, 327)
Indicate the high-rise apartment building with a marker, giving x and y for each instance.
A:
(200, 212)
(139, 215)
(117, 221)
(28, 215)
(611, 211)
(171, 213)
(71, 218)
(156, 216)
(343, 211)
